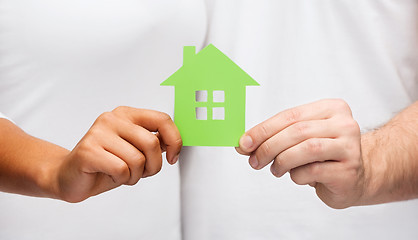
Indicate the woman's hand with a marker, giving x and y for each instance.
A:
(120, 148)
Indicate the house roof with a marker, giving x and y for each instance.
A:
(208, 68)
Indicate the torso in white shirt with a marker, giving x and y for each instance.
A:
(62, 63)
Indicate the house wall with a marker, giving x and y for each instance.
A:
(210, 132)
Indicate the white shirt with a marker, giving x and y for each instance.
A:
(364, 52)
(62, 63)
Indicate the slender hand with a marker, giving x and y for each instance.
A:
(120, 148)
(320, 144)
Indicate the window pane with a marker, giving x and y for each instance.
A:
(218, 113)
(201, 96)
(201, 113)
(218, 96)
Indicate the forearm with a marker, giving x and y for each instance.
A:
(390, 156)
(28, 165)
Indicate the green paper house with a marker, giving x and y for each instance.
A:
(209, 107)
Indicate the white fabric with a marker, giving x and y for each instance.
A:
(62, 63)
(5, 117)
(300, 51)
(2, 115)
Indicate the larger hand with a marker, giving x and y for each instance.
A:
(318, 143)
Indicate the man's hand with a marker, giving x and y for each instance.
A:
(120, 148)
(318, 143)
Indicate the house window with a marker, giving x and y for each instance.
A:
(218, 96)
(218, 113)
(201, 96)
(210, 105)
(201, 113)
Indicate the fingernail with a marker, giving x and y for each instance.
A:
(175, 159)
(274, 171)
(247, 142)
(253, 161)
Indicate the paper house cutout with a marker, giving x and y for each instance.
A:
(209, 108)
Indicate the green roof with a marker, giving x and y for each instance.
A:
(208, 67)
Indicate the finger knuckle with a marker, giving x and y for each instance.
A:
(296, 177)
(261, 132)
(121, 110)
(279, 163)
(302, 130)
(164, 117)
(263, 151)
(340, 105)
(314, 146)
(264, 130)
(178, 143)
(314, 169)
(86, 145)
(351, 126)
(97, 131)
(353, 174)
(353, 169)
(278, 160)
(121, 173)
(136, 158)
(350, 149)
(151, 142)
(137, 166)
(74, 198)
(158, 164)
(293, 115)
(106, 118)
(132, 182)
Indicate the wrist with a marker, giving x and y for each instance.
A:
(389, 163)
(375, 167)
(47, 174)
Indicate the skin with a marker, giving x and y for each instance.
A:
(320, 144)
(119, 149)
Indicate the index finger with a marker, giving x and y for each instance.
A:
(155, 121)
(254, 137)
